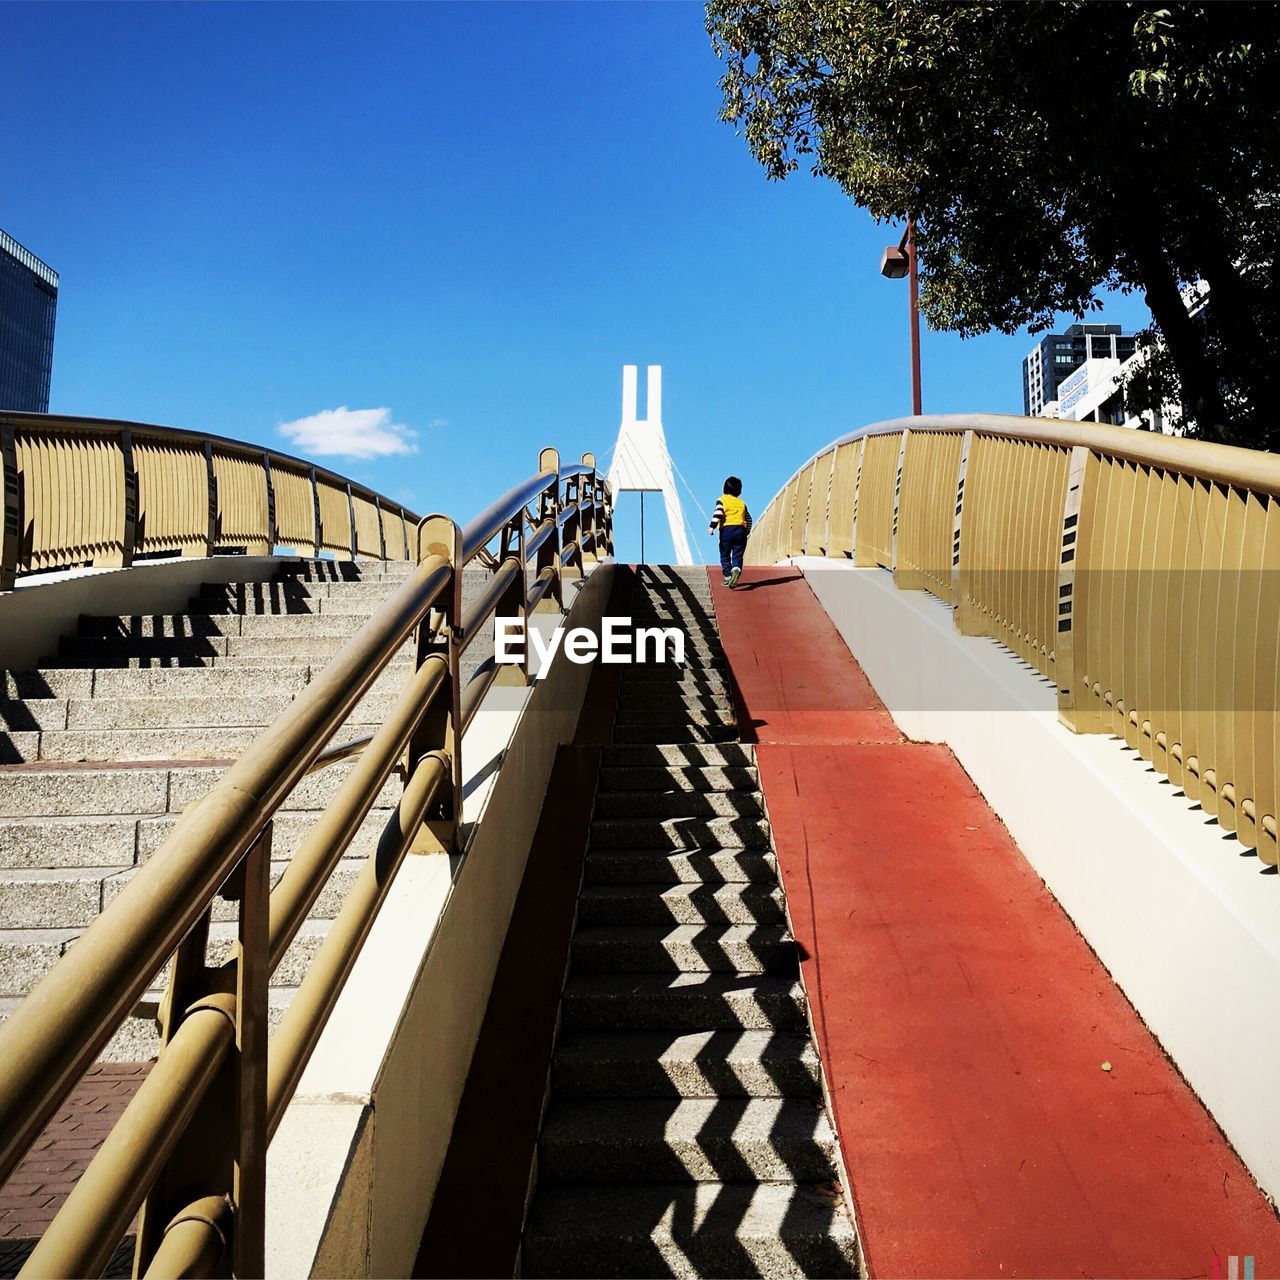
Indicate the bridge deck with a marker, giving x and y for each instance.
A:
(964, 1022)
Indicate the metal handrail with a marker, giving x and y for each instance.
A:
(1222, 463)
(221, 844)
(98, 491)
(1107, 558)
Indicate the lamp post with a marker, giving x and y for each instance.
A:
(897, 261)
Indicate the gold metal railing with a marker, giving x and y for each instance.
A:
(190, 1149)
(1138, 572)
(83, 491)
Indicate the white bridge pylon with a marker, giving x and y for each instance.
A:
(641, 463)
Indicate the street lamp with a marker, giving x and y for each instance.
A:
(897, 261)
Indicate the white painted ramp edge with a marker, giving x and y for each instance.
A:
(1180, 913)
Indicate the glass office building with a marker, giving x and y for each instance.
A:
(28, 309)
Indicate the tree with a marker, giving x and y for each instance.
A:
(1046, 150)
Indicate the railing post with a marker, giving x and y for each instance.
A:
(514, 602)
(438, 633)
(318, 537)
(129, 510)
(588, 520)
(351, 522)
(272, 528)
(1073, 702)
(549, 552)
(897, 504)
(223, 1150)
(211, 488)
(571, 532)
(11, 531)
(963, 615)
(857, 489)
(382, 533)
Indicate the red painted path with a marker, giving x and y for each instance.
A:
(962, 1019)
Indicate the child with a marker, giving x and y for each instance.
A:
(733, 520)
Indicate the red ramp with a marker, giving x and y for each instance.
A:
(963, 1021)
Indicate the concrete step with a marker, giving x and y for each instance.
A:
(201, 625)
(673, 713)
(47, 682)
(123, 840)
(66, 898)
(287, 832)
(26, 955)
(679, 755)
(642, 682)
(690, 1139)
(175, 712)
(707, 778)
(695, 1064)
(660, 733)
(740, 903)
(688, 1230)
(34, 715)
(678, 804)
(653, 694)
(693, 618)
(684, 948)
(327, 570)
(697, 866)
(49, 793)
(198, 682)
(325, 907)
(680, 833)
(683, 1002)
(57, 791)
(231, 710)
(117, 651)
(145, 744)
(291, 596)
(46, 843)
(711, 675)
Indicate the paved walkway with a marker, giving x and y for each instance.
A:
(39, 1185)
(1002, 1109)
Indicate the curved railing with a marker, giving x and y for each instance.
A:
(1136, 571)
(83, 491)
(190, 1148)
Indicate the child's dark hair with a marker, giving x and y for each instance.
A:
(733, 487)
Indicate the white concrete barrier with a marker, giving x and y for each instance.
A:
(1186, 920)
(354, 1165)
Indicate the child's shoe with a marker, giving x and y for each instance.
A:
(727, 583)
(733, 578)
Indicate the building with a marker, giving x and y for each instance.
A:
(1058, 355)
(28, 309)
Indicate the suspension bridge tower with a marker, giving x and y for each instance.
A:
(641, 463)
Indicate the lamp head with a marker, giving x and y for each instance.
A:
(893, 264)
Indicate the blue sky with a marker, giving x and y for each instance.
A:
(468, 215)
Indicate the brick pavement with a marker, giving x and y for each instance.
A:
(40, 1184)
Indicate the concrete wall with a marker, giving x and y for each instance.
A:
(43, 608)
(354, 1165)
(1186, 920)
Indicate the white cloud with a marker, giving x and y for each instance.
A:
(438, 422)
(350, 433)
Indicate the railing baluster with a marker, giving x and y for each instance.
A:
(11, 530)
(438, 633)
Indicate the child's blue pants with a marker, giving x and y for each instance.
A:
(733, 542)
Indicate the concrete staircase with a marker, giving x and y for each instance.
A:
(686, 1133)
(136, 717)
